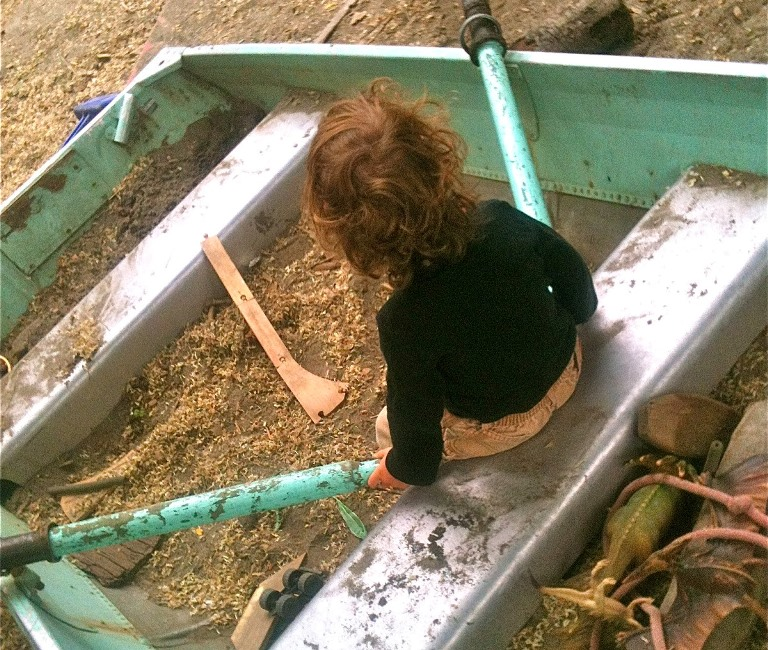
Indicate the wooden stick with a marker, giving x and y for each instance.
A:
(323, 36)
(77, 507)
(245, 301)
(85, 487)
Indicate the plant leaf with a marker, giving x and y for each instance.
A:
(353, 522)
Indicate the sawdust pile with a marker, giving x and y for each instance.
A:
(67, 53)
(210, 411)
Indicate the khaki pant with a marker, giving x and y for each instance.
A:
(465, 438)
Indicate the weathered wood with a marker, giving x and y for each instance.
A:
(325, 34)
(685, 424)
(586, 27)
(114, 566)
(255, 625)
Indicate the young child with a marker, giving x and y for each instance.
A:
(479, 335)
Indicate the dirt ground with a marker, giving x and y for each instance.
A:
(58, 54)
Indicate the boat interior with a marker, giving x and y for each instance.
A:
(668, 211)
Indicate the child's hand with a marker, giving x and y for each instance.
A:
(381, 478)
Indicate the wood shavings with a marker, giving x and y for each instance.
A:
(85, 338)
(50, 81)
(210, 411)
(145, 196)
(44, 82)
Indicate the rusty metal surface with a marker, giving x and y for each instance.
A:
(456, 564)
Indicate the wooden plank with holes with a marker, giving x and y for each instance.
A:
(317, 395)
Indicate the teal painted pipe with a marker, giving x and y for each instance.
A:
(526, 189)
(187, 512)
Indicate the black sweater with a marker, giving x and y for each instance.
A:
(483, 337)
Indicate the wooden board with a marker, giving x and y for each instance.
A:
(255, 625)
(685, 424)
(317, 395)
(113, 566)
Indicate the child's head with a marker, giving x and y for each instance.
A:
(384, 185)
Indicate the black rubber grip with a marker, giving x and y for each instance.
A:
(23, 549)
(479, 27)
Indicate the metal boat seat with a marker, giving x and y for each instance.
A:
(51, 402)
(457, 564)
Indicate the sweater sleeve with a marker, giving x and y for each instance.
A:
(414, 408)
(571, 280)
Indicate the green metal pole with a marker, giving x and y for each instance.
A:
(521, 172)
(187, 512)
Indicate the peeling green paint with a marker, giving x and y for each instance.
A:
(272, 493)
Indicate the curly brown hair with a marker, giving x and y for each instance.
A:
(384, 185)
